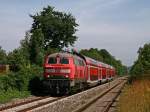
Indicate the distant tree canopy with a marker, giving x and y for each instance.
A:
(3, 56)
(104, 56)
(142, 64)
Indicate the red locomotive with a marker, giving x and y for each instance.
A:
(65, 70)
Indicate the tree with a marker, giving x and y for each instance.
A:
(36, 47)
(57, 28)
(20, 57)
(142, 65)
(93, 53)
(51, 31)
(25, 47)
(3, 56)
(17, 59)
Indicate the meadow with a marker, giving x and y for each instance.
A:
(135, 97)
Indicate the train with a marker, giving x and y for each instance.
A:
(66, 70)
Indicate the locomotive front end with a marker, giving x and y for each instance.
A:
(58, 73)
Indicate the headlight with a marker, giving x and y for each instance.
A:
(66, 75)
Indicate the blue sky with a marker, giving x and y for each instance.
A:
(120, 26)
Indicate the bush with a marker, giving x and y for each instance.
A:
(25, 75)
(7, 82)
(20, 80)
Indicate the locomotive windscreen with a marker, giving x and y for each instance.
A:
(64, 61)
(52, 60)
(61, 60)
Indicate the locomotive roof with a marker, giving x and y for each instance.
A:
(88, 60)
(63, 54)
(60, 54)
(91, 61)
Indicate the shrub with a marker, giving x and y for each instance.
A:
(21, 80)
(25, 75)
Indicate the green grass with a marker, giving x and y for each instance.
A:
(12, 94)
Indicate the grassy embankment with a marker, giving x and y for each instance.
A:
(13, 94)
(136, 96)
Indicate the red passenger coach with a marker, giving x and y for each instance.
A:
(64, 70)
(92, 69)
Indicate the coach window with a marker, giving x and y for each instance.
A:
(64, 61)
(81, 63)
(52, 60)
(76, 62)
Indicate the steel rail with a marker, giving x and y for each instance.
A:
(21, 103)
(25, 106)
(85, 106)
(39, 105)
(108, 106)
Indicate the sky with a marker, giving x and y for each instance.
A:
(119, 26)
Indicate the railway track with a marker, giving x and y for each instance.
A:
(29, 105)
(80, 102)
(104, 102)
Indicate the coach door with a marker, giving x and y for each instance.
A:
(100, 73)
(79, 68)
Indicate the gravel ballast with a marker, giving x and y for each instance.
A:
(73, 102)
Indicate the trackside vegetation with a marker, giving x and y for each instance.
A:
(142, 64)
(20, 84)
(136, 94)
(135, 97)
(51, 31)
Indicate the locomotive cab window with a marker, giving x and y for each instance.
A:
(64, 61)
(52, 60)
